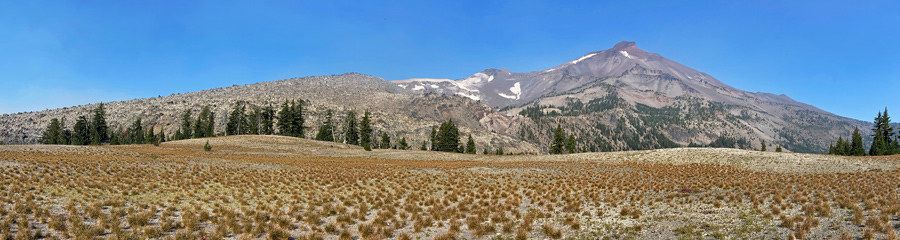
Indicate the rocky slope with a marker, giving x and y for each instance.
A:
(659, 100)
(394, 110)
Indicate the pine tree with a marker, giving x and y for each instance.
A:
(434, 138)
(253, 118)
(448, 137)
(326, 130)
(268, 121)
(186, 128)
(81, 132)
(151, 137)
(137, 132)
(385, 141)
(286, 119)
(298, 126)
(882, 143)
(205, 124)
(65, 135)
(365, 129)
(402, 144)
(51, 134)
(778, 148)
(237, 121)
(559, 138)
(570, 143)
(352, 136)
(424, 146)
(485, 151)
(499, 151)
(99, 129)
(162, 135)
(470, 145)
(762, 143)
(856, 145)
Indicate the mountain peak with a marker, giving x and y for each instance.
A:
(623, 45)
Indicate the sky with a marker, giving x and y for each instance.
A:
(840, 56)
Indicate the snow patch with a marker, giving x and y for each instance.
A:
(550, 70)
(583, 58)
(491, 78)
(418, 87)
(473, 97)
(434, 86)
(624, 53)
(401, 85)
(516, 90)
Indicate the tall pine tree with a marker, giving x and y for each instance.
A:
(351, 128)
(186, 129)
(448, 137)
(99, 129)
(856, 145)
(81, 133)
(470, 145)
(51, 134)
(559, 138)
(365, 131)
(326, 130)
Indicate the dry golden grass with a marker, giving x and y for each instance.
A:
(278, 188)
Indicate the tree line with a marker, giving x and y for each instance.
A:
(883, 142)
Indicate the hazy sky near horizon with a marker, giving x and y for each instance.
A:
(840, 56)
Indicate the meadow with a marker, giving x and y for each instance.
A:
(271, 187)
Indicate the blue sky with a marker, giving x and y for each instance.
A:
(841, 56)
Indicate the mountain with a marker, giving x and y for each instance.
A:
(659, 101)
(394, 110)
(622, 98)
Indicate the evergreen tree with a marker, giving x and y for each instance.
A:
(162, 135)
(403, 144)
(559, 138)
(424, 146)
(99, 129)
(434, 138)
(485, 151)
(882, 143)
(268, 121)
(365, 129)
(151, 136)
(285, 119)
(137, 132)
(385, 141)
(778, 148)
(51, 134)
(114, 138)
(186, 129)
(237, 121)
(326, 130)
(254, 121)
(470, 145)
(856, 145)
(205, 125)
(762, 144)
(65, 135)
(570, 143)
(448, 137)
(81, 132)
(499, 151)
(299, 123)
(352, 136)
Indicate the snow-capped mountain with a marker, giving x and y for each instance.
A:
(638, 78)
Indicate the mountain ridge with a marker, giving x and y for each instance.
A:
(622, 98)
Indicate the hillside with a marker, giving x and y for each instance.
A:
(625, 98)
(394, 110)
